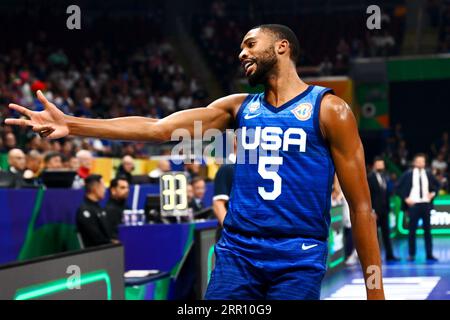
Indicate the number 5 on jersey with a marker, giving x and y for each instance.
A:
(270, 175)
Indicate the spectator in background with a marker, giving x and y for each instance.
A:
(222, 192)
(223, 183)
(326, 67)
(33, 164)
(86, 160)
(192, 170)
(387, 43)
(185, 101)
(442, 178)
(92, 223)
(343, 48)
(380, 193)
(119, 189)
(19, 176)
(163, 166)
(17, 162)
(417, 188)
(198, 190)
(190, 193)
(85, 108)
(126, 169)
(34, 143)
(402, 155)
(439, 165)
(10, 142)
(74, 164)
(440, 145)
(67, 148)
(53, 161)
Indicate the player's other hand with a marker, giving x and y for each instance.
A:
(50, 122)
(410, 202)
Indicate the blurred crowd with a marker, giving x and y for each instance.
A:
(136, 76)
(328, 41)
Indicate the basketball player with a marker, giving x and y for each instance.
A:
(274, 243)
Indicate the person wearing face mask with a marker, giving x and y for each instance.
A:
(379, 191)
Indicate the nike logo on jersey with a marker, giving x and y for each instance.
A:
(251, 116)
(305, 247)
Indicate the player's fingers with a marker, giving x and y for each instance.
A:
(20, 109)
(43, 99)
(18, 122)
(45, 134)
(42, 128)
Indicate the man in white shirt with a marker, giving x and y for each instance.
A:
(417, 188)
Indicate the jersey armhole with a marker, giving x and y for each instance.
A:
(237, 121)
(317, 108)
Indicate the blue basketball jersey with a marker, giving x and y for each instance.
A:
(284, 170)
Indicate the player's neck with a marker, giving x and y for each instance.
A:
(283, 86)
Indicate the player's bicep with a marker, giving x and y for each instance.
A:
(341, 132)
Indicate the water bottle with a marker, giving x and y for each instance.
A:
(141, 217)
(134, 217)
(127, 217)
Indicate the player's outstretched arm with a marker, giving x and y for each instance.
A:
(339, 128)
(53, 123)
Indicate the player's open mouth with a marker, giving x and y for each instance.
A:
(249, 67)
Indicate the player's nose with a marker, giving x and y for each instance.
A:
(243, 55)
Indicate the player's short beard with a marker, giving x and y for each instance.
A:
(265, 65)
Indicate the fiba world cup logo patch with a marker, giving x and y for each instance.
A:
(253, 107)
(303, 112)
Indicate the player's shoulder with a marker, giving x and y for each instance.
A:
(333, 104)
(233, 99)
(231, 102)
(333, 108)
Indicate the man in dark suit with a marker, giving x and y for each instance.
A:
(379, 192)
(417, 188)
(92, 223)
(17, 165)
(119, 190)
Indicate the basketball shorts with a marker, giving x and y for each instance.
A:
(256, 268)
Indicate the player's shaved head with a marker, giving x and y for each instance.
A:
(282, 32)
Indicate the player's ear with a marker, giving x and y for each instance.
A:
(282, 46)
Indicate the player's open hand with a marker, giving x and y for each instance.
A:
(48, 123)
